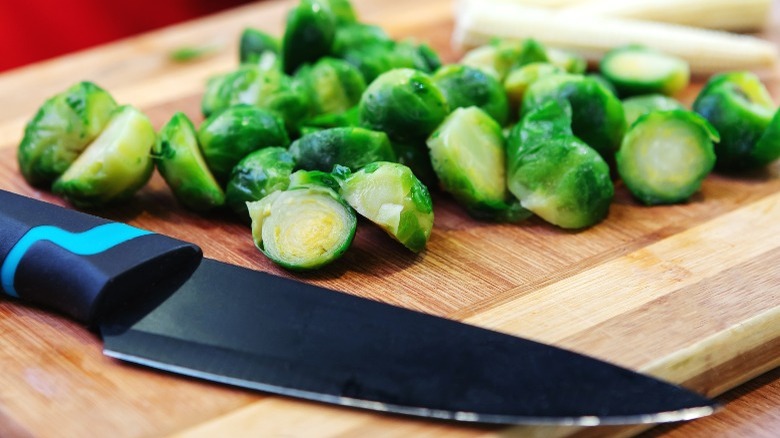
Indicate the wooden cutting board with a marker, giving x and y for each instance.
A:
(688, 293)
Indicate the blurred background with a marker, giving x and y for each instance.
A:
(35, 30)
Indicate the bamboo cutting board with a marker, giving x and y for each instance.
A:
(689, 293)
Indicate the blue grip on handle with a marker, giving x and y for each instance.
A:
(90, 242)
(82, 265)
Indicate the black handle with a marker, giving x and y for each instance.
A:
(82, 265)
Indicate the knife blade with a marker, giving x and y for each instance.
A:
(157, 302)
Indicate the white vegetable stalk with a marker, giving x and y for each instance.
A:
(732, 15)
(706, 51)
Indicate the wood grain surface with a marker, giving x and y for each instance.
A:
(689, 293)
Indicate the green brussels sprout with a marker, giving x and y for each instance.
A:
(636, 70)
(257, 175)
(304, 227)
(115, 165)
(352, 147)
(179, 160)
(569, 61)
(309, 34)
(465, 86)
(255, 45)
(358, 35)
(335, 120)
(60, 130)
(553, 173)
(603, 81)
(597, 115)
(666, 155)
(342, 10)
(415, 156)
(268, 89)
(502, 56)
(740, 108)
(404, 103)
(519, 79)
(376, 59)
(228, 136)
(469, 157)
(334, 85)
(389, 195)
(636, 106)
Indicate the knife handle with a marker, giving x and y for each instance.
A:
(81, 265)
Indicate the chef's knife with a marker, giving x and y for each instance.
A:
(157, 304)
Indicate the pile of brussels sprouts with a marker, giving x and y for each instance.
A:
(336, 120)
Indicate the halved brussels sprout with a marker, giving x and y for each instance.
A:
(352, 147)
(304, 227)
(415, 156)
(115, 165)
(636, 70)
(404, 103)
(637, 106)
(389, 195)
(334, 85)
(569, 61)
(519, 79)
(465, 86)
(308, 35)
(502, 56)
(258, 47)
(666, 155)
(257, 175)
(230, 135)
(469, 157)
(553, 173)
(597, 114)
(178, 157)
(60, 130)
(740, 108)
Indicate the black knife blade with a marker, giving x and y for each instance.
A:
(255, 330)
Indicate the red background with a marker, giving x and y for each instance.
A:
(34, 30)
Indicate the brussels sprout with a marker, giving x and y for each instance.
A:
(569, 61)
(256, 47)
(375, 59)
(666, 155)
(469, 157)
(359, 35)
(404, 103)
(304, 227)
(60, 130)
(308, 35)
(597, 115)
(352, 147)
(180, 162)
(389, 195)
(230, 135)
(636, 106)
(342, 11)
(415, 156)
(268, 89)
(333, 84)
(257, 175)
(502, 56)
(519, 79)
(335, 120)
(636, 70)
(465, 86)
(553, 173)
(115, 165)
(740, 108)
